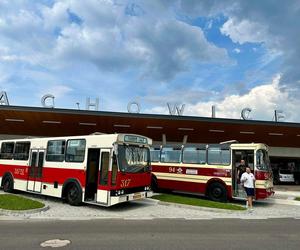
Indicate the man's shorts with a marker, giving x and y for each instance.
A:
(249, 191)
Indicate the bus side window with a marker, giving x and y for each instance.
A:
(155, 154)
(75, 150)
(56, 150)
(194, 155)
(22, 151)
(104, 168)
(7, 150)
(218, 156)
(171, 155)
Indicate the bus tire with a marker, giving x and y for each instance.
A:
(73, 194)
(217, 192)
(8, 183)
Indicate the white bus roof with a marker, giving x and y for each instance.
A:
(254, 146)
(119, 138)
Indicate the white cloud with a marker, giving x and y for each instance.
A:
(58, 90)
(169, 46)
(237, 50)
(263, 100)
(46, 35)
(275, 24)
(242, 31)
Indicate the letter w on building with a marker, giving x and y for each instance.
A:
(175, 109)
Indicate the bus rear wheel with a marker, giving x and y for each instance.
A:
(8, 184)
(74, 194)
(217, 192)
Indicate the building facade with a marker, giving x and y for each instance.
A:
(283, 138)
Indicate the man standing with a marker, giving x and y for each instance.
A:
(248, 180)
(241, 169)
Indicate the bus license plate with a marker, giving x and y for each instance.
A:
(137, 196)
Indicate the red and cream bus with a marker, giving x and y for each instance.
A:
(211, 169)
(103, 169)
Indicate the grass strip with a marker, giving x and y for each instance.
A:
(15, 202)
(297, 198)
(196, 201)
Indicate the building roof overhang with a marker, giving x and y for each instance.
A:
(35, 121)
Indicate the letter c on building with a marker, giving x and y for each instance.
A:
(44, 98)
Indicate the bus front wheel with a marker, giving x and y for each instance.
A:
(217, 192)
(74, 194)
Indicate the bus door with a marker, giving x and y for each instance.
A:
(92, 173)
(35, 173)
(103, 191)
(238, 190)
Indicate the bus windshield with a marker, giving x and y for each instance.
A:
(133, 159)
(262, 160)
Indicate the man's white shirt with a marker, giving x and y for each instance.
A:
(248, 180)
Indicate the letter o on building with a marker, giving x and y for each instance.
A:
(137, 107)
(245, 113)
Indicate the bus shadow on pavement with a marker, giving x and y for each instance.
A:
(130, 205)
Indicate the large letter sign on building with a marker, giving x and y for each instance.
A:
(245, 113)
(213, 111)
(90, 104)
(3, 98)
(135, 107)
(138, 107)
(278, 114)
(172, 110)
(44, 98)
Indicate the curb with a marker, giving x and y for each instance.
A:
(23, 212)
(209, 209)
(287, 193)
(281, 202)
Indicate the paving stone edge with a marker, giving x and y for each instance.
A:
(23, 212)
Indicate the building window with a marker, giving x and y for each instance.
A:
(75, 150)
(55, 150)
(22, 151)
(194, 155)
(7, 150)
(155, 154)
(171, 154)
(218, 156)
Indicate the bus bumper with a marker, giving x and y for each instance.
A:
(262, 193)
(130, 197)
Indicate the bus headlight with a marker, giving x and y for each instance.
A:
(120, 192)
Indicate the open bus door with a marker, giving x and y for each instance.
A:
(92, 173)
(97, 176)
(35, 173)
(103, 191)
(238, 190)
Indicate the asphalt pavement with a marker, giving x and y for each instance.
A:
(164, 234)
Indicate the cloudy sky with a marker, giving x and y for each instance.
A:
(231, 54)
